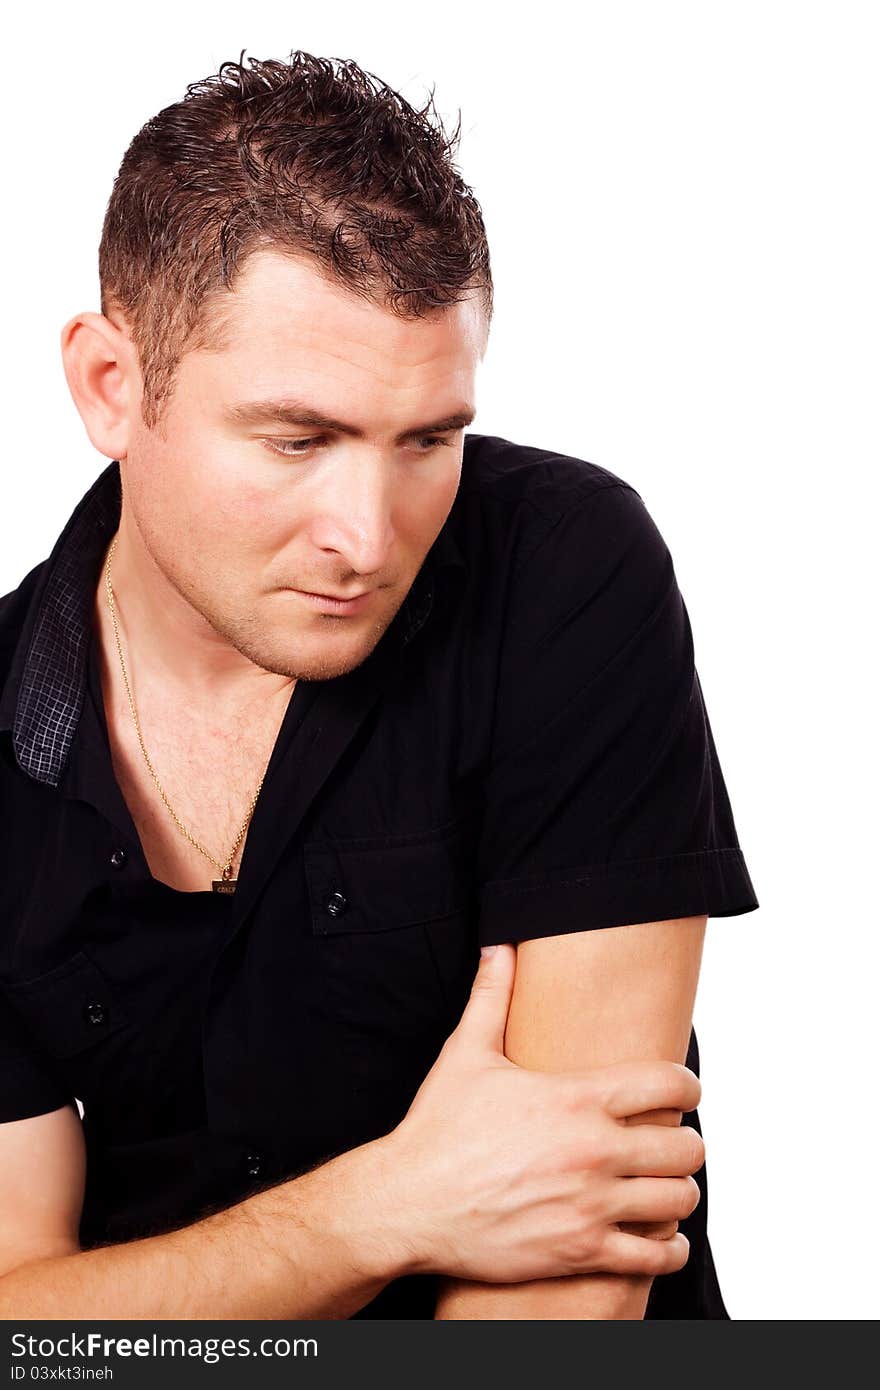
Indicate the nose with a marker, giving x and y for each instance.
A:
(354, 518)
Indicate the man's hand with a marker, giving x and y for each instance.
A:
(503, 1174)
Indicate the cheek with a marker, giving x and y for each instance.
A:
(240, 500)
(244, 518)
(429, 504)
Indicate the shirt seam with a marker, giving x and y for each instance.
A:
(651, 864)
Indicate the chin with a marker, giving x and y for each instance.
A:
(315, 657)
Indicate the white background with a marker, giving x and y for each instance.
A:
(682, 206)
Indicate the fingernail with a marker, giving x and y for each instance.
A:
(488, 950)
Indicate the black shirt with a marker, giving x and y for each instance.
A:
(525, 752)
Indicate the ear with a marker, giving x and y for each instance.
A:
(100, 364)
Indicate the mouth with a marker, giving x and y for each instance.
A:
(329, 604)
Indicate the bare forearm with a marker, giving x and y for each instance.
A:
(583, 1296)
(632, 998)
(314, 1247)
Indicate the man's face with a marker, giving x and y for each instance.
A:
(240, 510)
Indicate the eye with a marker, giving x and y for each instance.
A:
(433, 441)
(293, 448)
(288, 447)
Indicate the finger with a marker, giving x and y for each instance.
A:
(654, 1117)
(631, 1088)
(481, 1026)
(623, 1253)
(655, 1199)
(659, 1151)
(654, 1230)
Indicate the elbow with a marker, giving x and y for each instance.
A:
(26, 1289)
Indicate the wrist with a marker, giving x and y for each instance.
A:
(390, 1223)
(353, 1213)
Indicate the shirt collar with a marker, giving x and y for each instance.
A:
(43, 695)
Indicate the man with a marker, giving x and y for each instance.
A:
(315, 696)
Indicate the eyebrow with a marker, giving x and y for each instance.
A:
(291, 412)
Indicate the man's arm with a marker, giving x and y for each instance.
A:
(317, 1246)
(324, 1243)
(587, 999)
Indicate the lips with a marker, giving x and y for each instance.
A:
(327, 603)
(340, 598)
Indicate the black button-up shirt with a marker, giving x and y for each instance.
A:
(525, 752)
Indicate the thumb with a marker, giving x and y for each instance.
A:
(484, 1019)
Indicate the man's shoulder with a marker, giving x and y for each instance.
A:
(14, 605)
(546, 480)
(14, 608)
(521, 494)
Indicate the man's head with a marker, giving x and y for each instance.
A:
(287, 234)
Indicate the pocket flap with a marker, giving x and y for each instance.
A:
(70, 1007)
(368, 886)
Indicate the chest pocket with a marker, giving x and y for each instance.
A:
(77, 1015)
(394, 949)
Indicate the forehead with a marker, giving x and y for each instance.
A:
(282, 302)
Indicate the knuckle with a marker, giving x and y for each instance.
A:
(573, 1097)
(697, 1153)
(690, 1090)
(599, 1148)
(584, 1248)
(656, 1256)
(589, 1210)
(596, 1092)
(482, 988)
(671, 1085)
(679, 1251)
(682, 1087)
(670, 1255)
(689, 1197)
(694, 1090)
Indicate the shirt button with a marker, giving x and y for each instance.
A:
(254, 1164)
(117, 858)
(95, 1013)
(336, 904)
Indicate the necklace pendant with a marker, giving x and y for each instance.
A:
(223, 885)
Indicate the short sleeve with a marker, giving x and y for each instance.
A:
(28, 1086)
(605, 802)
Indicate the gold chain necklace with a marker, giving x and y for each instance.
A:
(226, 883)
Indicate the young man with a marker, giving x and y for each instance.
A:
(315, 696)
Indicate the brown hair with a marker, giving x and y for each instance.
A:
(292, 156)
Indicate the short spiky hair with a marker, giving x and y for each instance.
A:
(297, 156)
